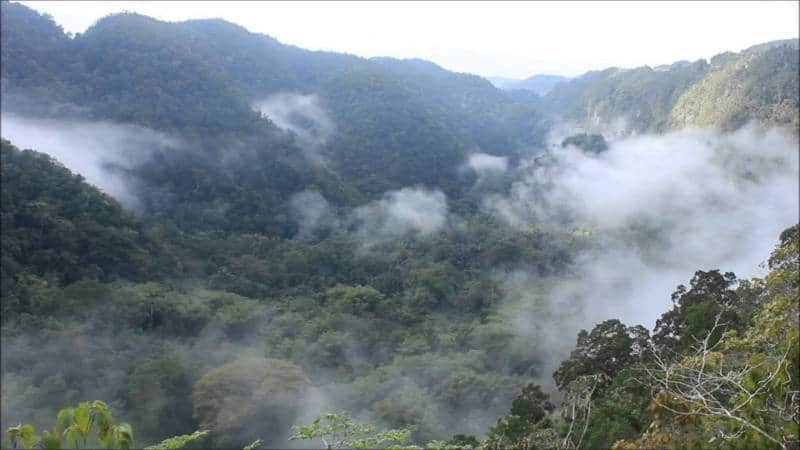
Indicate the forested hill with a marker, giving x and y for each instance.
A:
(539, 84)
(728, 91)
(57, 226)
(207, 229)
(397, 123)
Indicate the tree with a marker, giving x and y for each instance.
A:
(159, 397)
(519, 427)
(74, 428)
(609, 347)
(74, 425)
(735, 389)
(460, 441)
(357, 300)
(710, 295)
(178, 442)
(732, 393)
(249, 396)
(338, 430)
(590, 143)
(619, 412)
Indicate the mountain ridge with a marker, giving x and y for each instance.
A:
(389, 238)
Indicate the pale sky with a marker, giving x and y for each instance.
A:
(510, 39)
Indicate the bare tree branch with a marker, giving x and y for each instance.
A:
(723, 393)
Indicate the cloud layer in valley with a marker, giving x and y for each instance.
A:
(657, 208)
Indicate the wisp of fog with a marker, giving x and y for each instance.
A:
(101, 151)
(301, 115)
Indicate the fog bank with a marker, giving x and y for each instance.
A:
(656, 208)
(103, 152)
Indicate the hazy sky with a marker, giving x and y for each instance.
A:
(512, 39)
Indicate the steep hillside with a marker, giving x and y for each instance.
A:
(387, 123)
(225, 68)
(301, 232)
(642, 97)
(32, 47)
(758, 84)
(54, 225)
(128, 68)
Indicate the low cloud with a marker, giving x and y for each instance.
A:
(301, 115)
(103, 152)
(655, 208)
(484, 162)
(414, 210)
(312, 213)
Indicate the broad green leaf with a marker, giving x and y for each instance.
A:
(109, 441)
(72, 434)
(50, 441)
(123, 434)
(101, 416)
(82, 418)
(65, 418)
(27, 436)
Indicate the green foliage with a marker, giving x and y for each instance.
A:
(377, 112)
(643, 97)
(338, 430)
(752, 402)
(178, 442)
(758, 84)
(524, 419)
(168, 314)
(607, 349)
(24, 435)
(619, 412)
(695, 310)
(199, 78)
(38, 49)
(591, 143)
(458, 441)
(253, 445)
(733, 385)
(159, 396)
(248, 395)
(357, 300)
(74, 428)
(54, 223)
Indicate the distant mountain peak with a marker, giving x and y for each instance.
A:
(540, 84)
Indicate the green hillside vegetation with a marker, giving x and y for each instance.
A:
(643, 97)
(719, 371)
(423, 310)
(54, 224)
(198, 79)
(593, 143)
(538, 84)
(757, 84)
(263, 279)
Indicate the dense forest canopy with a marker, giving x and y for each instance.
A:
(213, 239)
